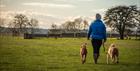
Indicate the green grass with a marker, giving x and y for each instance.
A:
(49, 54)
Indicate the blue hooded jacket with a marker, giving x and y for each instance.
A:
(97, 30)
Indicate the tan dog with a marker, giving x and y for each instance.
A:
(113, 54)
(83, 52)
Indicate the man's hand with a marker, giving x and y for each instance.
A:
(104, 40)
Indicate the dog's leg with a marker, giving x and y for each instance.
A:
(112, 59)
(115, 59)
(81, 58)
(84, 59)
(107, 56)
(118, 57)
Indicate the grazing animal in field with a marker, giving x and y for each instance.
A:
(113, 54)
(83, 52)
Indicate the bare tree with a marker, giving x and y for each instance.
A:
(2, 22)
(85, 22)
(54, 29)
(77, 22)
(21, 23)
(54, 26)
(33, 24)
(75, 26)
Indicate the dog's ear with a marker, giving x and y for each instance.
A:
(112, 45)
(85, 43)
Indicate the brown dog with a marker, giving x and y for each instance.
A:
(83, 52)
(113, 54)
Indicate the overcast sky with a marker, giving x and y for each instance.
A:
(58, 11)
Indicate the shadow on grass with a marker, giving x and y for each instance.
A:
(118, 64)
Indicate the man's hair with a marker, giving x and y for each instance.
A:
(98, 16)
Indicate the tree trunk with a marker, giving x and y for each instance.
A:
(121, 36)
(136, 35)
(122, 31)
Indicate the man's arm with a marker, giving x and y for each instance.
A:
(105, 37)
(89, 32)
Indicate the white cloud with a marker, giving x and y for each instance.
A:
(45, 20)
(99, 10)
(6, 14)
(84, 0)
(75, 0)
(49, 5)
(28, 13)
(1, 6)
(61, 5)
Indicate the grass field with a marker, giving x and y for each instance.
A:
(49, 54)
